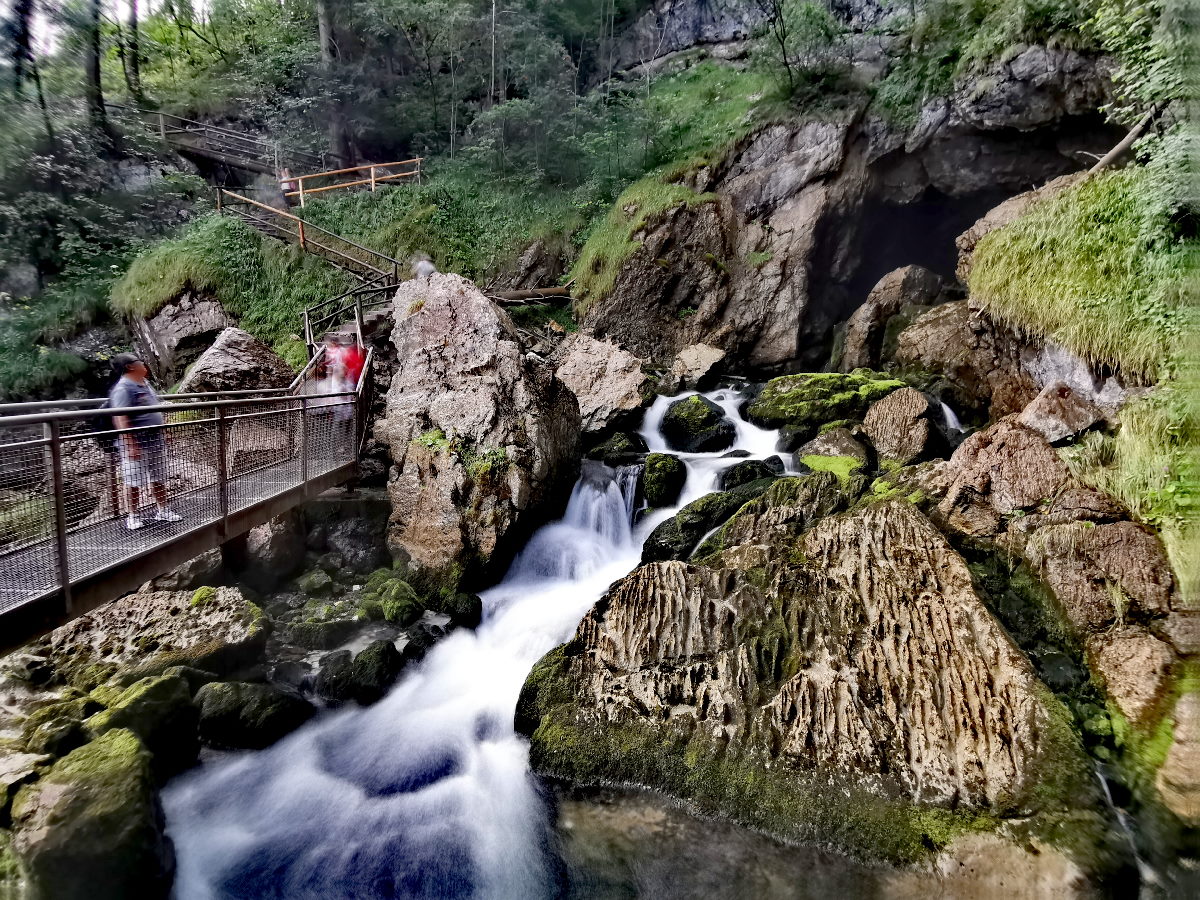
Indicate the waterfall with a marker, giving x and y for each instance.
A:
(951, 419)
(428, 793)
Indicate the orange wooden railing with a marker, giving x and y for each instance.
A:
(302, 186)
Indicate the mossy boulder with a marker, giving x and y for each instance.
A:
(799, 401)
(464, 609)
(663, 480)
(57, 728)
(374, 670)
(160, 712)
(318, 635)
(749, 470)
(677, 537)
(92, 827)
(620, 449)
(334, 678)
(400, 603)
(235, 715)
(316, 583)
(697, 425)
(837, 451)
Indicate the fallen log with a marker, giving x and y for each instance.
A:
(533, 294)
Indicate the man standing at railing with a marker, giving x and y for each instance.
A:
(143, 453)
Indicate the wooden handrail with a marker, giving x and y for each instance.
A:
(363, 168)
(346, 184)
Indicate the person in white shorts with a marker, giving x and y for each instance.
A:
(143, 453)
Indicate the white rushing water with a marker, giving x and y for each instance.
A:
(428, 793)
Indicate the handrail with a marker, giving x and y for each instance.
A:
(367, 166)
(302, 191)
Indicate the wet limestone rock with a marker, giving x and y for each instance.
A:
(608, 382)
(980, 360)
(910, 285)
(697, 425)
(235, 715)
(749, 470)
(1179, 777)
(92, 827)
(902, 429)
(207, 568)
(364, 678)
(814, 399)
(482, 436)
(678, 536)
(143, 634)
(663, 479)
(274, 551)
(1103, 572)
(237, 361)
(857, 657)
(1134, 669)
(1059, 413)
(693, 367)
(620, 449)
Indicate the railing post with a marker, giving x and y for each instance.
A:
(300, 188)
(162, 127)
(220, 203)
(302, 247)
(372, 179)
(308, 341)
(303, 437)
(54, 453)
(222, 470)
(358, 318)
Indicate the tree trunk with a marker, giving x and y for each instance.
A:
(133, 49)
(93, 90)
(339, 143)
(22, 52)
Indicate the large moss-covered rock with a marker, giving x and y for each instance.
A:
(663, 479)
(697, 425)
(92, 827)
(749, 470)
(159, 711)
(374, 670)
(619, 449)
(837, 451)
(678, 536)
(237, 716)
(812, 399)
(841, 682)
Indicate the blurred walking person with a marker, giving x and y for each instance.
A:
(143, 452)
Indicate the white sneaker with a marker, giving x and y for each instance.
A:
(133, 523)
(165, 515)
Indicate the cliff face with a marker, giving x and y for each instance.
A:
(798, 220)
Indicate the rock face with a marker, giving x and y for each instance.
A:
(215, 629)
(92, 826)
(1058, 413)
(901, 427)
(607, 381)
(692, 368)
(178, 333)
(237, 361)
(1179, 777)
(913, 285)
(979, 359)
(274, 551)
(678, 536)
(1135, 667)
(482, 436)
(857, 654)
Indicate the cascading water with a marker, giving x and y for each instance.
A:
(951, 420)
(428, 793)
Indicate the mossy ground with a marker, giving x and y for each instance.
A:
(841, 466)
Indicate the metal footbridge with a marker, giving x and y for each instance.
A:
(233, 460)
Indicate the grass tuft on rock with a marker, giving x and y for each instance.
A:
(1098, 268)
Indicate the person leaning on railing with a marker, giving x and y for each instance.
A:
(143, 453)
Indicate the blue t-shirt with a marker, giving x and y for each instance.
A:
(128, 392)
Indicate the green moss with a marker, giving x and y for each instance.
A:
(663, 479)
(202, 596)
(818, 398)
(841, 466)
(759, 258)
(433, 439)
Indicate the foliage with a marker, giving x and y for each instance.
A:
(266, 285)
(806, 43)
(1099, 267)
(1147, 38)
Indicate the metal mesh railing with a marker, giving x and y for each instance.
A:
(76, 500)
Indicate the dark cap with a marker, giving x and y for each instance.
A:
(122, 361)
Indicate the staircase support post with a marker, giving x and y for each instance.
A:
(162, 127)
(54, 458)
(303, 438)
